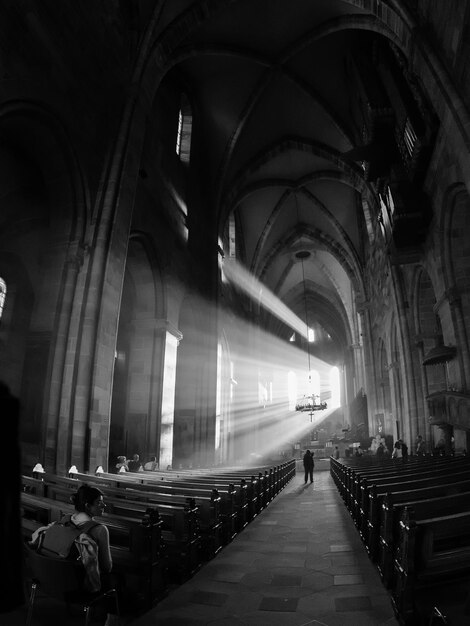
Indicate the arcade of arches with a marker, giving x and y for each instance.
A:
(203, 202)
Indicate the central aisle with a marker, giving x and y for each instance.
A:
(300, 562)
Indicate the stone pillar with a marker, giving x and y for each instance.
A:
(369, 376)
(424, 425)
(72, 267)
(455, 303)
(408, 374)
(356, 351)
(92, 391)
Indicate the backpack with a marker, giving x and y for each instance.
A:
(59, 538)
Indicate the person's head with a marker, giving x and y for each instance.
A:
(121, 459)
(307, 452)
(89, 500)
(153, 459)
(136, 457)
(419, 437)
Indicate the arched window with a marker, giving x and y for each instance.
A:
(185, 125)
(3, 295)
(335, 387)
(292, 390)
(232, 244)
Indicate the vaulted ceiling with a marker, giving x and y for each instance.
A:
(275, 99)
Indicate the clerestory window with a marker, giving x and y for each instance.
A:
(3, 295)
(185, 125)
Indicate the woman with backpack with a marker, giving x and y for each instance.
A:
(89, 504)
(80, 535)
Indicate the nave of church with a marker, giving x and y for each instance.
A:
(299, 562)
(232, 230)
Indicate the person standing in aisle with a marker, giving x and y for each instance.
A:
(308, 466)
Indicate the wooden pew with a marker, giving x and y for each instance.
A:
(249, 501)
(179, 526)
(368, 519)
(402, 473)
(182, 515)
(425, 503)
(137, 549)
(431, 551)
(233, 503)
(348, 474)
(214, 513)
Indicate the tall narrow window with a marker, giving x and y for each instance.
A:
(232, 236)
(335, 387)
(185, 125)
(409, 137)
(292, 390)
(3, 295)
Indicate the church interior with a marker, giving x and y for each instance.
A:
(232, 230)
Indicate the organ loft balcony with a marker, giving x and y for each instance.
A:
(449, 407)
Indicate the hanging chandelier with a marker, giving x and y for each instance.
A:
(310, 402)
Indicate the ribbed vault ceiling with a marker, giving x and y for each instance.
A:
(273, 98)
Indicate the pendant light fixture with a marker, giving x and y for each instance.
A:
(309, 402)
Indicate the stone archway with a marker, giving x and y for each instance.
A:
(135, 413)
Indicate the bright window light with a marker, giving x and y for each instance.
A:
(335, 387)
(3, 293)
(311, 335)
(314, 383)
(179, 133)
(292, 390)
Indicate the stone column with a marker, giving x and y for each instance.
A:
(455, 303)
(409, 387)
(72, 267)
(424, 425)
(369, 375)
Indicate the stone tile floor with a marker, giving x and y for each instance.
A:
(300, 562)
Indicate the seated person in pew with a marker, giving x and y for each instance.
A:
(420, 446)
(397, 451)
(379, 453)
(89, 504)
(122, 464)
(135, 465)
(151, 465)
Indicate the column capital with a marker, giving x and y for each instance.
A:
(164, 325)
(160, 325)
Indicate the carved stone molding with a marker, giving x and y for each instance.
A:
(167, 326)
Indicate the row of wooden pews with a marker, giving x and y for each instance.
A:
(414, 520)
(163, 525)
